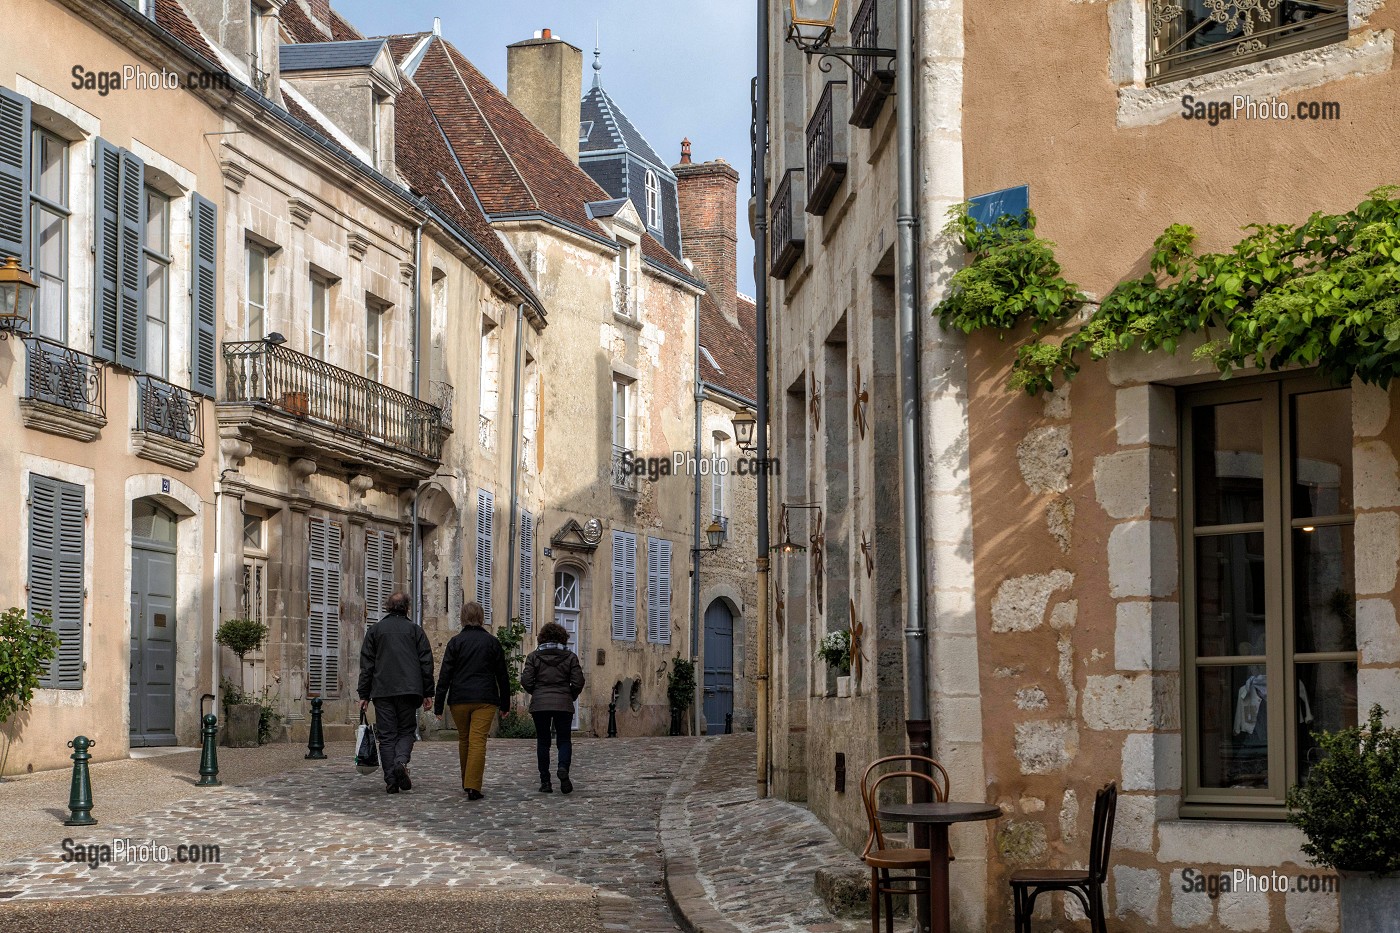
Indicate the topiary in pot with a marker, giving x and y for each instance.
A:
(1347, 808)
(243, 715)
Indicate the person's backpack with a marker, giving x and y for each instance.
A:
(366, 749)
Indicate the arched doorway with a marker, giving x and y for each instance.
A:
(719, 665)
(152, 624)
(567, 609)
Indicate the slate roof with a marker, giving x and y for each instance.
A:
(612, 130)
(606, 208)
(316, 56)
(732, 346)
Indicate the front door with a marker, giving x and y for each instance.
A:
(719, 666)
(566, 613)
(152, 626)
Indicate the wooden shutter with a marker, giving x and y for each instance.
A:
(379, 573)
(653, 601)
(120, 319)
(14, 176)
(323, 615)
(527, 569)
(204, 252)
(485, 518)
(57, 515)
(624, 595)
(659, 591)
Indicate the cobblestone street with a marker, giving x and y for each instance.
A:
(643, 809)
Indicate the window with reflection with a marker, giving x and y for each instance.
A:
(1193, 37)
(1269, 601)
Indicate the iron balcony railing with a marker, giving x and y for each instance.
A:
(625, 304)
(273, 375)
(1187, 41)
(486, 431)
(168, 410)
(65, 377)
(787, 225)
(873, 76)
(622, 478)
(827, 135)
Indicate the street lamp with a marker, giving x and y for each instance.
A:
(715, 534)
(744, 423)
(811, 23)
(16, 298)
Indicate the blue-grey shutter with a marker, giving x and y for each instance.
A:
(57, 514)
(120, 319)
(485, 520)
(323, 616)
(14, 176)
(204, 251)
(527, 569)
(659, 591)
(619, 586)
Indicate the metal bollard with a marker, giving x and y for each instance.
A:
(80, 796)
(612, 720)
(209, 759)
(316, 743)
(728, 723)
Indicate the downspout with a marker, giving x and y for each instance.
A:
(918, 726)
(515, 458)
(760, 262)
(695, 530)
(415, 550)
(215, 669)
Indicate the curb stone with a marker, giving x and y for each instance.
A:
(684, 891)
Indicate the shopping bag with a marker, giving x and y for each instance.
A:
(366, 749)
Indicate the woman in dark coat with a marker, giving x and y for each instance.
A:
(475, 684)
(553, 677)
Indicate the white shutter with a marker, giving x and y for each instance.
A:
(527, 570)
(485, 517)
(323, 615)
(379, 573)
(624, 592)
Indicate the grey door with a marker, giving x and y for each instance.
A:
(719, 666)
(153, 634)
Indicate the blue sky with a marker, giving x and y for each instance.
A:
(676, 69)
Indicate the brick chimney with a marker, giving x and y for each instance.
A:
(707, 193)
(544, 80)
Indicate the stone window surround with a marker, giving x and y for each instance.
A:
(1365, 52)
(1142, 555)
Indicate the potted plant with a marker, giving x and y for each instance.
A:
(25, 648)
(1346, 807)
(680, 691)
(243, 715)
(835, 650)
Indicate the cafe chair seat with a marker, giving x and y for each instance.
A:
(884, 859)
(1049, 876)
(1085, 885)
(897, 858)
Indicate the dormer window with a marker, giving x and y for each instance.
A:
(626, 306)
(376, 130)
(255, 46)
(653, 200)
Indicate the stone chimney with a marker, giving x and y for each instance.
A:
(544, 80)
(707, 193)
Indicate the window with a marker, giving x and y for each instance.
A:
(254, 588)
(324, 574)
(653, 200)
(374, 341)
(255, 307)
(530, 418)
(1270, 604)
(658, 591)
(48, 199)
(490, 382)
(57, 585)
(485, 520)
(625, 305)
(253, 531)
(718, 469)
(156, 243)
(622, 413)
(320, 291)
(566, 603)
(376, 133)
(379, 573)
(1193, 37)
(624, 586)
(255, 50)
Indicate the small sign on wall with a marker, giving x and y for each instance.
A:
(987, 209)
(165, 484)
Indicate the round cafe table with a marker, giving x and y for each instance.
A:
(930, 822)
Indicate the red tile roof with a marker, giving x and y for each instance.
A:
(733, 347)
(171, 16)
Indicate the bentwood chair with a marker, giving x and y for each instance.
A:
(1087, 886)
(883, 858)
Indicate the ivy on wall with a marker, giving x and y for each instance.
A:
(1324, 293)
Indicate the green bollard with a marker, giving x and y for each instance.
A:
(80, 796)
(209, 760)
(316, 743)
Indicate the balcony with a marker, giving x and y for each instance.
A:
(626, 301)
(64, 390)
(787, 225)
(486, 432)
(288, 402)
(622, 478)
(827, 141)
(873, 78)
(169, 424)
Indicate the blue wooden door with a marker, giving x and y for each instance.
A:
(719, 666)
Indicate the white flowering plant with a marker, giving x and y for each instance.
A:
(835, 650)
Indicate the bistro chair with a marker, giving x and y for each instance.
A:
(1087, 886)
(883, 858)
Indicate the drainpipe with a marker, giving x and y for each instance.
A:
(515, 457)
(214, 666)
(918, 726)
(415, 549)
(760, 261)
(695, 530)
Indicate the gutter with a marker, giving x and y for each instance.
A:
(695, 530)
(415, 547)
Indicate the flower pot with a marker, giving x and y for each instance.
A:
(295, 402)
(241, 725)
(843, 686)
(1369, 904)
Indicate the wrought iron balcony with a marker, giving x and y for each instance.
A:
(283, 385)
(442, 397)
(168, 410)
(486, 432)
(787, 225)
(1187, 41)
(64, 390)
(873, 76)
(621, 477)
(827, 144)
(626, 300)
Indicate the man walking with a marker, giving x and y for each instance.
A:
(396, 672)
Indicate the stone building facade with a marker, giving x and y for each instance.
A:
(1068, 537)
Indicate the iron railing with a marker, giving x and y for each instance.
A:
(486, 432)
(787, 226)
(872, 77)
(826, 148)
(625, 306)
(65, 377)
(442, 398)
(1186, 41)
(168, 410)
(303, 386)
(622, 478)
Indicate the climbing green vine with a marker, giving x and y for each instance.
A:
(1323, 294)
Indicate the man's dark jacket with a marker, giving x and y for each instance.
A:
(553, 677)
(473, 671)
(395, 660)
